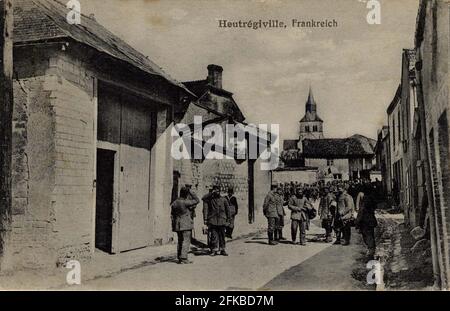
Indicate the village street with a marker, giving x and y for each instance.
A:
(252, 264)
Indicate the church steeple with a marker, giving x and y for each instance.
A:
(310, 103)
(311, 126)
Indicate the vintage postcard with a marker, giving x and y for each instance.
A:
(224, 145)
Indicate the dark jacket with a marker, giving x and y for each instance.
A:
(216, 210)
(181, 211)
(366, 214)
(234, 208)
(299, 208)
(325, 210)
(273, 205)
(346, 206)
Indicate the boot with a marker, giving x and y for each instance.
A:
(271, 241)
(275, 236)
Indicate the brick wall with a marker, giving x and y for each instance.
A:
(74, 103)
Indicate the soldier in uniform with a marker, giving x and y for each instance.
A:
(234, 208)
(326, 213)
(298, 204)
(216, 215)
(273, 208)
(365, 221)
(344, 216)
(183, 223)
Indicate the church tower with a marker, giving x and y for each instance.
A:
(311, 126)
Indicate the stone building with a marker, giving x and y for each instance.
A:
(216, 106)
(91, 142)
(432, 74)
(405, 168)
(333, 158)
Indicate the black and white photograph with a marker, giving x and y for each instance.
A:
(225, 146)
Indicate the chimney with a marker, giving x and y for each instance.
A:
(215, 76)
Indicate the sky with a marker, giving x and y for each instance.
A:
(353, 69)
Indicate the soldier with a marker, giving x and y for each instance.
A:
(272, 208)
(344, 216)
(234, 208)
(183, 223)
(365, 221)
(216, 215)
(298, 204)
(326, 213)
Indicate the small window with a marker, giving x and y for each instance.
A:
(307, 129)
(330, 162)
(315, 128)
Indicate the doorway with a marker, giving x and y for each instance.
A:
(104, 200)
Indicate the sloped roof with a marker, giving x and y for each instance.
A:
(201, 87)
(41, 20)
(337, 148)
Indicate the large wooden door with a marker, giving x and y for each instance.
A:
(134, 221)
(125, 126)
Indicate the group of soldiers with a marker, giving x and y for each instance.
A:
(342, 205)
(219, 213)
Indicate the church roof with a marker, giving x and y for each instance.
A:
(311, 109)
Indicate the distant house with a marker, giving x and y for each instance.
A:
(217, 106)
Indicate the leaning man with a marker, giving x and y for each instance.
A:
(183, 222)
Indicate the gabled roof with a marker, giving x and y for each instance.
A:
(44, 20)
(201, 88)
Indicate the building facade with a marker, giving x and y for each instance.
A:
(91, 142)
(432, 52)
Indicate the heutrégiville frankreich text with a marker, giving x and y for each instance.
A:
(275, 23)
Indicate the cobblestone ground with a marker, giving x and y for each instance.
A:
(252, 265)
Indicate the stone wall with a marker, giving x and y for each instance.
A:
(434, 58)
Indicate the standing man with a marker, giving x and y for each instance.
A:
(326, 213)
(273, 208)
(216, 215)
(299, 205)
(183, 223)
(232, 201)
(365, 221)
(345, 210)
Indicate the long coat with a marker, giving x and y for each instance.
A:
(366, 214)
(273, 205)
(216, 210)
(181, 211)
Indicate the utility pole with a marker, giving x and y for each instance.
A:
(6, 115)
